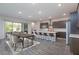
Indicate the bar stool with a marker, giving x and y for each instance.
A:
(51, 36)
(32, 33)
(9, 37)
(48, 36)
(40, 35)
(45, 36)
(36, 34)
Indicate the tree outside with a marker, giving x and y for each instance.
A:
(11, 27)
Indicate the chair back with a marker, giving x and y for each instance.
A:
(45, 34)
(32, 33)
(36, 33)
(8, 36)
(40, 33)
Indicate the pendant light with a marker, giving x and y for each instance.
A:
(50, 27)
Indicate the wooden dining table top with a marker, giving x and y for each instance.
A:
(21, 34)
(26, 35)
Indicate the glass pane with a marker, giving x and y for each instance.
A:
(8, 26)
(17, 27)
(11, 27)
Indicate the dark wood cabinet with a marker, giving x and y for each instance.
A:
(59, 24)
(74, 45)
(43, 25)
(61, 34)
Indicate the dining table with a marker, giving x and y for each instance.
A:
(23, 35)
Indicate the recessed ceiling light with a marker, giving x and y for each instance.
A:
(19, 12)
(40, 12)
(40, 19)
(33, 3)
(59, 5)
(29, 16)
(33, 23)
(64, 14)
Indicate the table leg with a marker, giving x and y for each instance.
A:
(23, 43)
(32, 42)
(33, 39)
(14, 46)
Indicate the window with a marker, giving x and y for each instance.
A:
(17, 27)
(8, 26)
(11, 27)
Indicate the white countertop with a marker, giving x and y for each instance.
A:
(60, 29)
(55, 30)
(74, 35)
(47, 32)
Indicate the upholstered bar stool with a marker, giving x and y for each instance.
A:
(36, 34)
(45, 36)
(51, 36)
(32, 33)
(40, 35)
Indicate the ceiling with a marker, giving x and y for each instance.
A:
(36, 11)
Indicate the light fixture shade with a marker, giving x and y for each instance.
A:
(50, 28)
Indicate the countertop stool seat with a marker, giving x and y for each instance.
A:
(36, 34)
(40, 35)
(45, 36)
(32, 33)
(51, 37)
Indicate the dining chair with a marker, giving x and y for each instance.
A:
(16, 40)
(9, 38)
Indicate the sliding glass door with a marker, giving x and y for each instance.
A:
(17, 27)
(12, 27)
(8, 26)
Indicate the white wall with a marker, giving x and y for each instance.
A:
(29, 28)
(2, 35)
(35, 26)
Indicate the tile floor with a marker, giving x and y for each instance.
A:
(44, 48)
